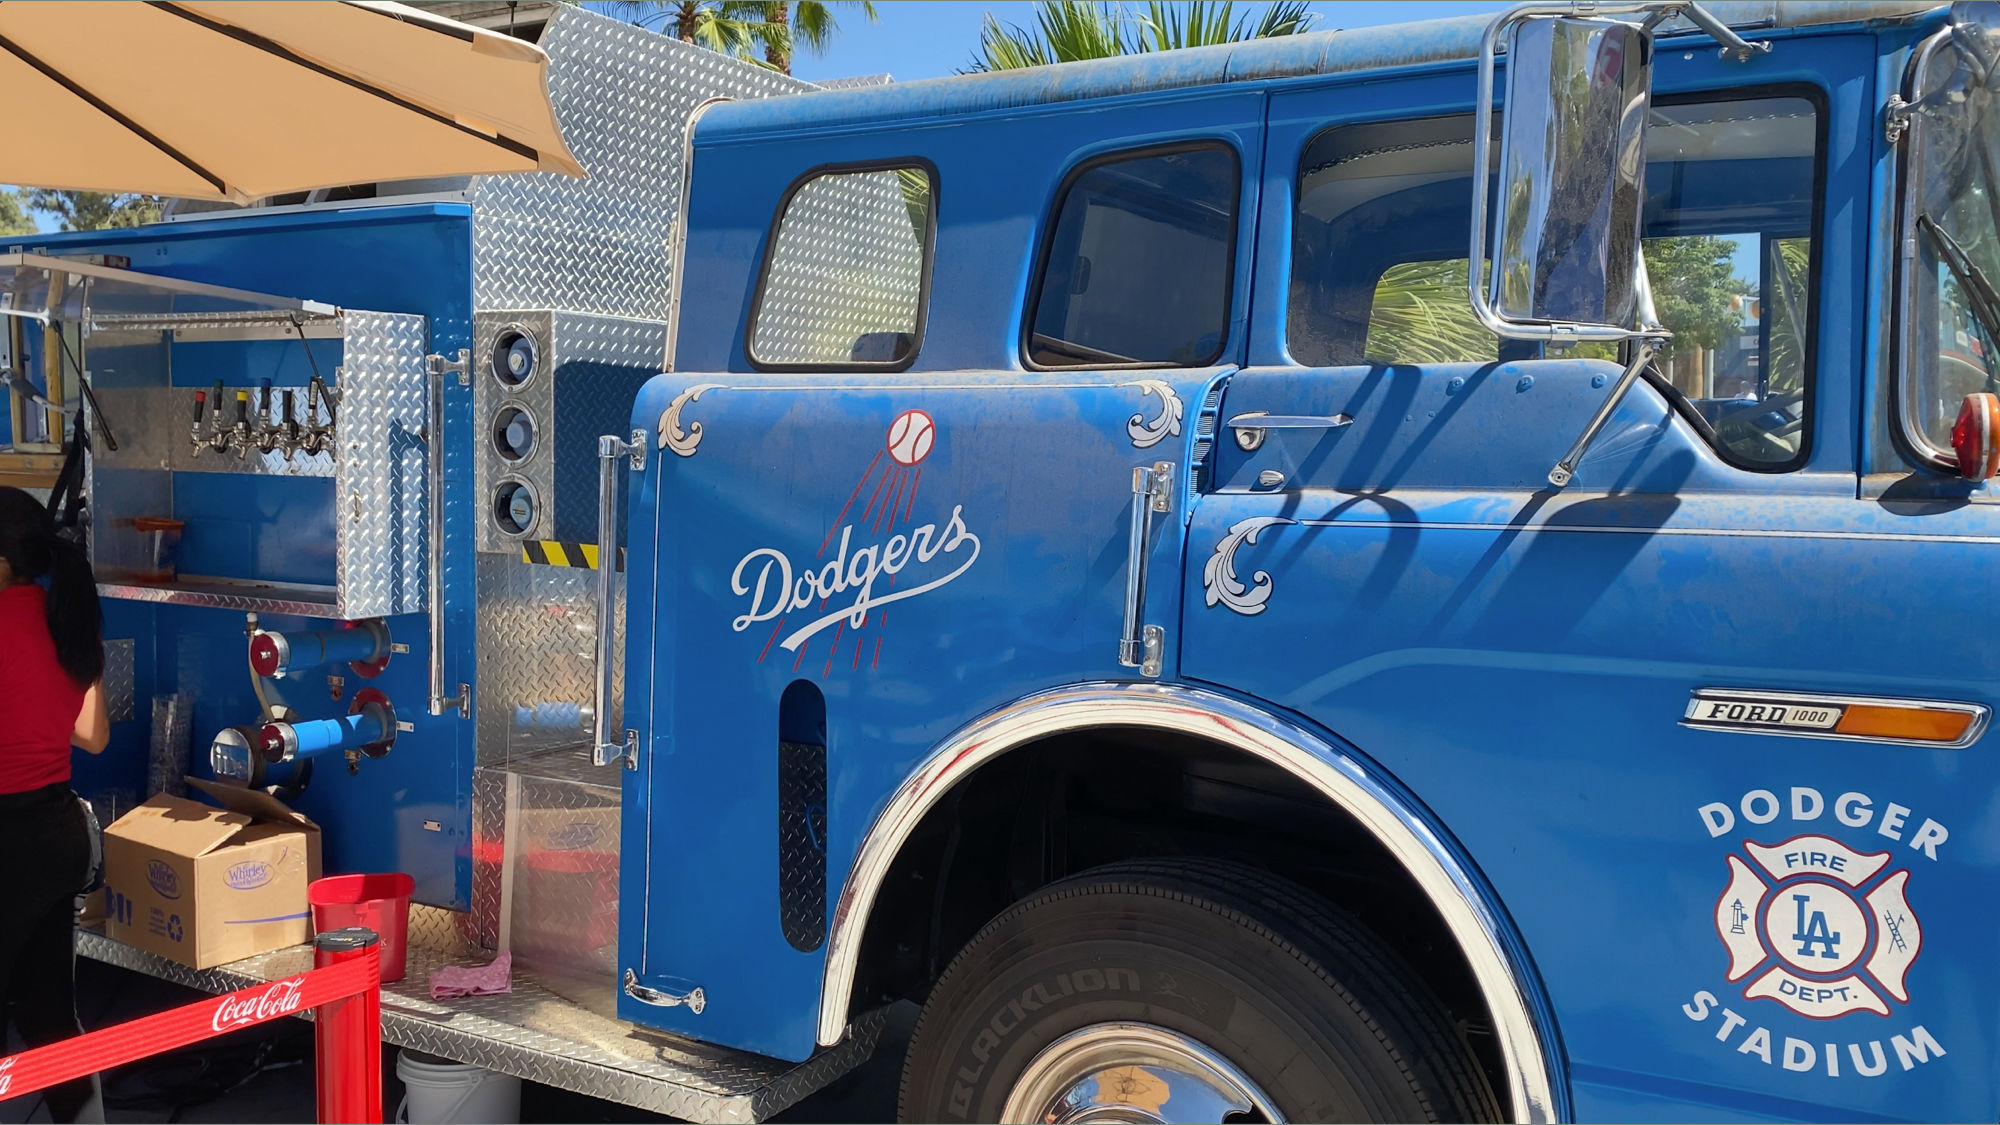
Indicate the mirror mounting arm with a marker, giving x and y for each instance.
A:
(1642, 354)
(1733, 46)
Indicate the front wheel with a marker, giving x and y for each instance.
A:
(1184, 990)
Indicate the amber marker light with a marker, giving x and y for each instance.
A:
(1917, 724)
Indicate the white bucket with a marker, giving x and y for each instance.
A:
(438, 1092)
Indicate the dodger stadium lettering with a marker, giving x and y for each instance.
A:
(1812, 926)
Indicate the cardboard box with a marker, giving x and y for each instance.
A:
(205, 886)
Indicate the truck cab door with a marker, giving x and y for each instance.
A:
(836, 562)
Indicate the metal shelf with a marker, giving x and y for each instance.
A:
(222, 593)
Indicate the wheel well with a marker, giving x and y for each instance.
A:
(1049, 809)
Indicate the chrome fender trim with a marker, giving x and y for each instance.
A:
(1502, 974)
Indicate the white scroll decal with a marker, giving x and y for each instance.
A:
(671, 435)
(1147, 433)
(1218, 577)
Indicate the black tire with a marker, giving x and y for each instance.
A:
(1313, 1009)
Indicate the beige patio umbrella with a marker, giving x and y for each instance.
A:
(239, 100)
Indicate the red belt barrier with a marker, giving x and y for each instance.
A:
(344, 989)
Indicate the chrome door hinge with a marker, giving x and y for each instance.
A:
(1156, 484)
(1896, 118)
(694, 999)
(1140, 645)
(462, 366)
(631, 755)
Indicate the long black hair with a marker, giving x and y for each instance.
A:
(29, 543)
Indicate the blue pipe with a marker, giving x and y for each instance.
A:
(274, 654)
(283, 742)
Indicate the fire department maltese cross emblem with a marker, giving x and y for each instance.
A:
(1818, 927)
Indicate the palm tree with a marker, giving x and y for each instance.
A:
(1070, 30)
(1420, 314)
(809, 23)
(737, 28)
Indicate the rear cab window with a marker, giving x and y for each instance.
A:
(846, 277)
(1136, 268)
(1731, 221)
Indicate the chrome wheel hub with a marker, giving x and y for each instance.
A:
(1133, 1072)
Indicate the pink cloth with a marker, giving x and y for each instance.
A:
(489, 979)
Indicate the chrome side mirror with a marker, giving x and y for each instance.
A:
(1564, 240)
(1565, 237)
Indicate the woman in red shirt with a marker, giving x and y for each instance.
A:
(51, 659)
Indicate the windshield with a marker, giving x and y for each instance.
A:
(1952, 317)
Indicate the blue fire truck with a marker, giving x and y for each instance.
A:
(1439, 572)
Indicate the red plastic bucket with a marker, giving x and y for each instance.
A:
(379, 902)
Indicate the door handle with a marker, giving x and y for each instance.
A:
(1250, 428)
(694, 999)
(608, 748)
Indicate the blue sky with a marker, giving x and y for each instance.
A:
(928, 38)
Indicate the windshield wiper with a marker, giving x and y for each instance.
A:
(1980, 295)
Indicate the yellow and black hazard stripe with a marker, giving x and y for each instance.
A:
(556, 552)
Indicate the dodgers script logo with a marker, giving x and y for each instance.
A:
(877, 560)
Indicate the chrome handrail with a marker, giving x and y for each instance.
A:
(609, 449)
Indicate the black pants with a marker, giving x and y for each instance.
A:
(44, 857)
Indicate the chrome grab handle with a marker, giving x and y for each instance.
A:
(626, 750)
(694, 999)
(434, 528)
(1141, 646)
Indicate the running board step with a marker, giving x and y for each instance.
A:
(536, 1034)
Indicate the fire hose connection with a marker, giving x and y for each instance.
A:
(364, 648)
(369, 729)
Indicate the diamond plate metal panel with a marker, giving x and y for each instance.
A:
(802, 844)
(603, 245)
(555, 837)
(379, 475)
(120, 685)
(538, 1033)
(537, 628)
(846, 273)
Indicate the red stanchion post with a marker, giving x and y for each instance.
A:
(348, 1034)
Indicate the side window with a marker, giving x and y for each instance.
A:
(1378, 263)
(848, 272)
(1137, 265)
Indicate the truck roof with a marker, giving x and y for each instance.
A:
(1327, 52)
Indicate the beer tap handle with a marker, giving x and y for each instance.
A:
(200, 407)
